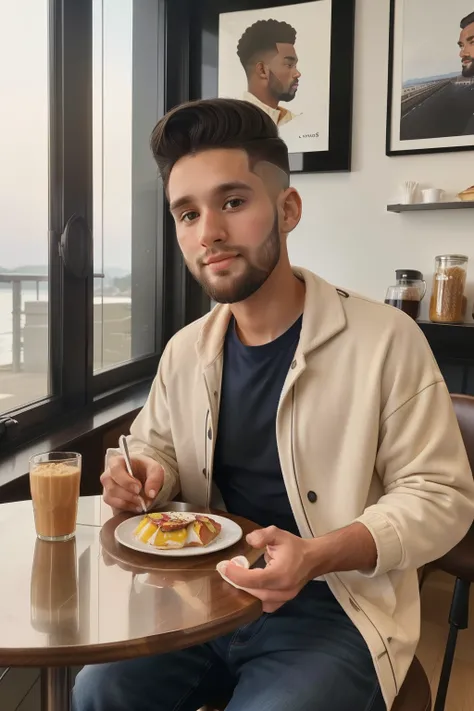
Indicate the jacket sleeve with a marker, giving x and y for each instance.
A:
(428, 501)
(151, 435)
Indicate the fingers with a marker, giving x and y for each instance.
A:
(267, 537)
(154, 480)
(118, 474)
(121, 499)
(271, 578)
(121, 491)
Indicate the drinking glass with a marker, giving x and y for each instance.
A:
(55, 479)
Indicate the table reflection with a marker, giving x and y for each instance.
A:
(161, 602)
(54, 591)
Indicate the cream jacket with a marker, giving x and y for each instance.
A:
(280, 115)
(364, 421)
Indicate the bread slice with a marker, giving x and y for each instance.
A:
(467, 195)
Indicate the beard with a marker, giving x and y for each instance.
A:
(278, 90)
(468, 69)
(258, 269)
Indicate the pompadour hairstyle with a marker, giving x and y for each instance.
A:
(468, 20)
(263, 36)
(209, 124)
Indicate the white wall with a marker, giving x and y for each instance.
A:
(346, 234)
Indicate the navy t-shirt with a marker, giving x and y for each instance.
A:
(247, 468)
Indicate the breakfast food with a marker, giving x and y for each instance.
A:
(467, 195)
(174, 529)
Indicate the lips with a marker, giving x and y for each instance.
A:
(217, 258)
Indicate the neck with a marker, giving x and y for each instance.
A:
(272, 309)
(263, 94)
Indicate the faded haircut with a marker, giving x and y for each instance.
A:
(210, 124)
(263, 36)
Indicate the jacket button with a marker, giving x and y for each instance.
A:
(209, 433)
(293, 365)
(312, 496)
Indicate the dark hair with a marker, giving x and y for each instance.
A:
(216, 123)
(468, 20)
(263, 36)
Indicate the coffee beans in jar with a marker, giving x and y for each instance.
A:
(447, 303)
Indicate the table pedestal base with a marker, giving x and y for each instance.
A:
(56, 689)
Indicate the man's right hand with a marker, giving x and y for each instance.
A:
(121, 492)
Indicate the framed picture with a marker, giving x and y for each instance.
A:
(293, 59)
(431, 77)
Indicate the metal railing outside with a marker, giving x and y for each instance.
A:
(16, 281)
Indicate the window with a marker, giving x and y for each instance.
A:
(92, 283)
(24, 204)
(125, 186)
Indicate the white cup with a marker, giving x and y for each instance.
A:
(432, 195)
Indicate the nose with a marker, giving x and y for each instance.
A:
(296, 74)
(211, 228)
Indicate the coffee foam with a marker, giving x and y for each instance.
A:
(50, 469)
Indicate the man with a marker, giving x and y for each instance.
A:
(319, 415)
(466, 45)
(268, 56)
(448, 110)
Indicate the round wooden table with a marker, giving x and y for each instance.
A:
(91, 600)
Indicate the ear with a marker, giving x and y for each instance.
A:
(261, 70)
(290, 209)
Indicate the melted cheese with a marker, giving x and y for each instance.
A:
(170, 539)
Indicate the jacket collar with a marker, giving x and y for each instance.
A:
(323, 318)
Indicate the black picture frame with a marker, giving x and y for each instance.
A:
(203, 63)
(390, 150)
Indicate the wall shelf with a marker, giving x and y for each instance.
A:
(431, 206)
(450, 340)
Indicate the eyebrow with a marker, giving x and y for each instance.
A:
(291, 58)
(468, 39)
(223, 188)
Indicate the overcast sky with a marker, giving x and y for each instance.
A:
(431, 33)
(24, 131)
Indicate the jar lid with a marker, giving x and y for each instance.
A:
(412, 274)
(456, 258)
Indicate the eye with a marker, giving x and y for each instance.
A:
(233, 203)
(189, 216)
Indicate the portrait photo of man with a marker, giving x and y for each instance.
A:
(441, 104)
(466, 45)
(279, 59)
(268, 56)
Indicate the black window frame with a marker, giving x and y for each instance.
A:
(179, 299)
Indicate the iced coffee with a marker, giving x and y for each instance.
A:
(55, 479)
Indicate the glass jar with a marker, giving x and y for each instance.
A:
(408, 292)
(448, 304)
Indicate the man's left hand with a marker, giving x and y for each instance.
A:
(290, 565)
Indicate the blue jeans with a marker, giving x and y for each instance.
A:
(307, 656)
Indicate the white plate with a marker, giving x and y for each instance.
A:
(230, 533)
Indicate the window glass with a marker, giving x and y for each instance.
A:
(125, 187)
(24, 203)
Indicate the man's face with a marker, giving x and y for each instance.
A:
(466, 45)
(226, 223)
(284, 74)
